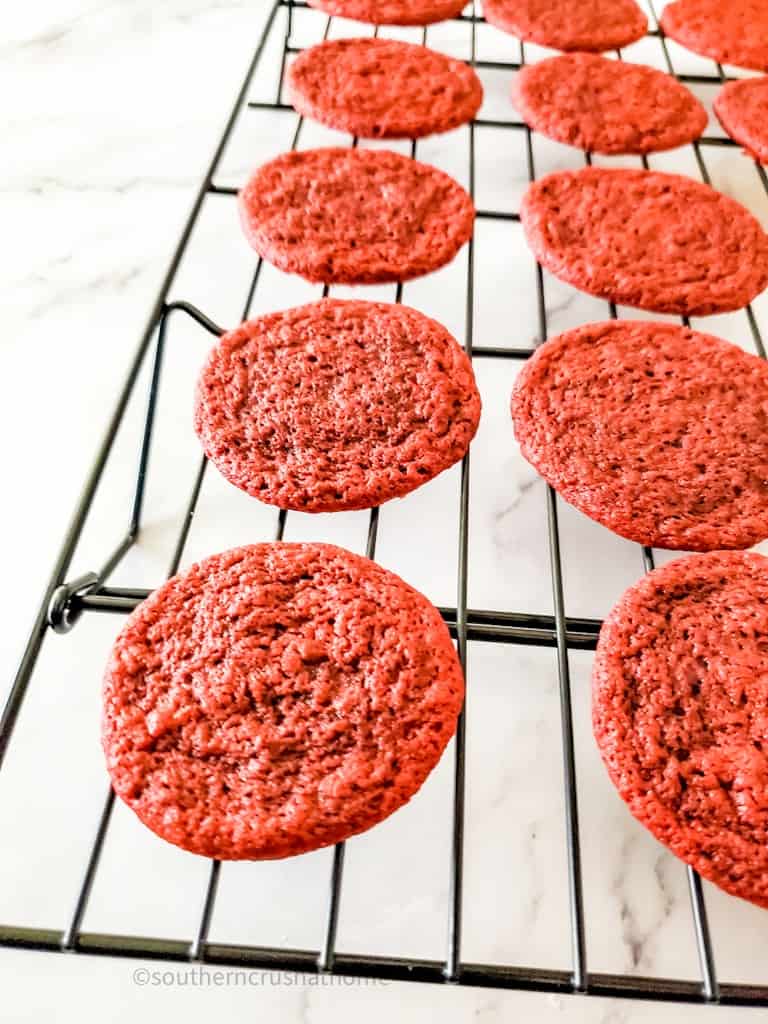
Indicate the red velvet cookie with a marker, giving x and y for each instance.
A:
(277, 698)
(392, 12)
(382, 88)
(661, 242)
(607, 106)
(336, 405)
(742, 109)
(564, 25)
(654, 430)
(355, 216)
(728, 31)
(680, 713)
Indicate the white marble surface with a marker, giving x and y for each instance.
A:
(113, 110)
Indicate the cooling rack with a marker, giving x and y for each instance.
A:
(67, 599)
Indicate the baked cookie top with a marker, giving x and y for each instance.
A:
(680, 713)
(336, 405)
(355, 216)
(392, 12)
(735, 32)
(654, 430)
(607, 106)
(383, 88)
(592, 25)
(662, 242)
(742, 109)
(277, 698)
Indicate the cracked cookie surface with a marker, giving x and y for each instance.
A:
(661, 242)
(680, 713)
(656, 431)
(339, 404)
(742, 109)
(383, 88)
(277, 698)
(735, 32)
(591, 25)
(607, 106)
(392, 12)
(355, 216)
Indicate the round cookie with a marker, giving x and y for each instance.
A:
(680, 713)
(607, 106)
(382, 88)
(355, 216)
(657, 241)
(732, 32)
(392, 12)
(336, 404)
(654, 430)
(591, 25)
(742, 110)
(275, 699)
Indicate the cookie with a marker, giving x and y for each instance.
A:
(654, 430)
(392, 12)
(679, 710)
(382, 88)
(275, 699)
(742, 110)
(355, 216)
(660, 242)
(607, 106)
(563, 25)
(732, 32)
(336, 405)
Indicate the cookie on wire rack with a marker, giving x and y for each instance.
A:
(277, 698)
(742, 109)
(729, 31)
(336, 405)
(591, 25)
(607, 106)
(661, 242)
(383, 88)
(355, 216)
(392, 12)
(654, 430)
(679, 713)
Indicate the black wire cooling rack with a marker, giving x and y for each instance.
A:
(66, 600)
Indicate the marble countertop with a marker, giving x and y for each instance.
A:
(115, 108)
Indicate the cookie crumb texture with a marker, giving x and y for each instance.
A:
(742, 109)
(658, 432)
(392, 12)
(680, 713)
(661, 242)
(592, 25)
(355, 216)
(277, 698)
(729, 31)
(607, 106)
(383, 88)
(336, 404)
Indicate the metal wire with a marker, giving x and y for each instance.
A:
(456, 878)
(64, 602)
(575, 888)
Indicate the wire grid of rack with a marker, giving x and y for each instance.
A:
(66, 600)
